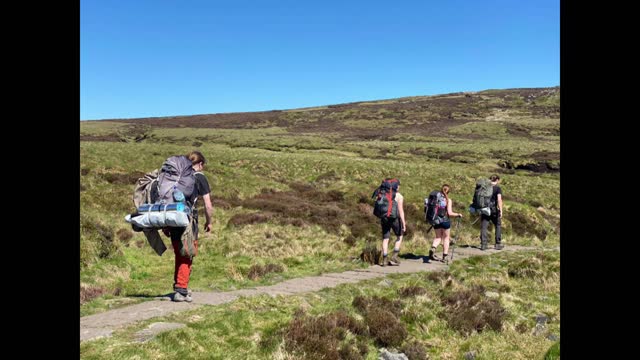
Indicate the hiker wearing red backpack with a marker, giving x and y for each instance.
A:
(440, 219)
(388, 207)
(183, 262)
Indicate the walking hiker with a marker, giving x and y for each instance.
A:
(183, 262)
(439, 210)
(495, 205)
(389, 208)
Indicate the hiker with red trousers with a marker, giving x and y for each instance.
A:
(183, 263)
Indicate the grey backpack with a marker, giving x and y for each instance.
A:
(482, 197)
(435, 208)
(176, 174)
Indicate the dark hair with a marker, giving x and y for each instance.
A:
(494, 178)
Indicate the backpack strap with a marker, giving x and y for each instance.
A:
(193, 206)
(375, 193)
(153, 183)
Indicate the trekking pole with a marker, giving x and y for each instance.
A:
(431, 227)
(455, 240)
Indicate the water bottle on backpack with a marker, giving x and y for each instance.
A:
(178, 196)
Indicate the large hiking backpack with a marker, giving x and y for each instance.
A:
(481, 202)
(164, 197)
(385, 205)
(435, 208)
(176, 174)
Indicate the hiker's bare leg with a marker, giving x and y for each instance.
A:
(434, 245)
(385, 251)
(396, 247)
(396, 251)
(445, 242)
(438, 238)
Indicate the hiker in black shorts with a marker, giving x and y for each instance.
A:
(398, 226)
(443, 229)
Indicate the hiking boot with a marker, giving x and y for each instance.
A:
(444, 258)
(177, 297)
(384, 261)
(483, 246)
(432, 255)
(394, 258)
(499, 246)
(393, 263)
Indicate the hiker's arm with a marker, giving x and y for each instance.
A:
(401, 213)
(500, 205)
(450, 209)
(208, 211)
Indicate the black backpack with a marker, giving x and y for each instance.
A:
(385, 205)
(435, 208)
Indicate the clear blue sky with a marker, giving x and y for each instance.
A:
(141, 58)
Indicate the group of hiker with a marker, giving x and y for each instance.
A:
(438, 208)
(165, 200)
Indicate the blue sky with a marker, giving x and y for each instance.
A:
(165, 58)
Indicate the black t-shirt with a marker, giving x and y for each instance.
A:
(202, 188)
(494, 197)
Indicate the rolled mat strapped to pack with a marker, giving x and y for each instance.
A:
(159, 216)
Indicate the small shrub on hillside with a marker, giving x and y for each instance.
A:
(470, 310)
(370, 254)
(411, 291)
(364, 304)
(322, 337)
(257, 271)
(88, 293)
(384, 327)
(414, 351)
(254, 218)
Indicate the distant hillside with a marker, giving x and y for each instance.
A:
(418, 114)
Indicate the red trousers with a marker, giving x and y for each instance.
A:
(183, 267)
(183, 263)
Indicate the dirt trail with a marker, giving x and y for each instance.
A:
(104, 324)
